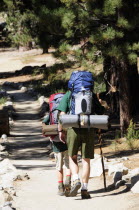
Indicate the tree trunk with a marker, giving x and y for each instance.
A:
(111, 69)
(134, 88)
(45, 50)
(124, 96)
(114, 95)
(120, 90)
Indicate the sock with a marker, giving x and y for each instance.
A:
(68, 177)
(84, 186)
(75, 176)
(60, 182)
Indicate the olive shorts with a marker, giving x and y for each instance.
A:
(62, 160)
(83, 138)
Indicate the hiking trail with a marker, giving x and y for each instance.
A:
(29, 152)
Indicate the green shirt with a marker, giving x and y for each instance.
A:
(64, 105)
(59, 146)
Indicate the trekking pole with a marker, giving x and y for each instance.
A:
(100, 145)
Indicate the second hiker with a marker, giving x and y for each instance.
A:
(59, 148)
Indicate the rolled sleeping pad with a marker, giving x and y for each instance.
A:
(49, 129)
(85, 121)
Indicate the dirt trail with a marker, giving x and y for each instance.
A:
(15, 60)
(29, 152)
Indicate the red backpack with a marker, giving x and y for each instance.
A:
(54, 101)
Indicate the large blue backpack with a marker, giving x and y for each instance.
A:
(81, 85)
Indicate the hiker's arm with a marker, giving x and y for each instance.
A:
(62, 135)
(46, 120)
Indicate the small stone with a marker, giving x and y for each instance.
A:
(9, 103)
(119, 183)
(117, 176)
(124, 158)
(23, 88)
(4, 137)
(135, 188)
(134, 179)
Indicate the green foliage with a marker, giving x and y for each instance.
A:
(69, 2)
(103, 26)
(99, 84)
(132, 57)
(115, 144)
(132, 135)
(21, 23)
(119, 34)
(68, 19)
(110, 6)
(99, 87)
(109, 34)
(2, 100)
(64, 48)
(114, 51)
(135, 46)
(122, 23)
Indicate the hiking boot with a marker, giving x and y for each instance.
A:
(61, 190)
(67, 186)
(85, 194)
(76, 186)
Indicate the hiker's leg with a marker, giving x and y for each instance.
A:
(60, 176)
(85, 178)
(59, 168)
(87, 150)
(76, 184)
(66, 163)
(73, 165)
(73, 147)
(67, 183)
(85, 170)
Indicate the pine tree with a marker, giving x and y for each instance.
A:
(107, 32)
(21, 22)
(49, 15)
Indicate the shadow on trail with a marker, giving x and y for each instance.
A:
(25, 135)
(26, 116)
(108, 191)
(22, 97)
(121, 154)
(27, 70)
(36, 148)
(36, 166)
(27, 129)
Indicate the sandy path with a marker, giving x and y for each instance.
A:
(15, 60)
(30, 152)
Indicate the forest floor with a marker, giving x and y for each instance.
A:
(30, 152)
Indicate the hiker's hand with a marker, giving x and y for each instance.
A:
(62, 136)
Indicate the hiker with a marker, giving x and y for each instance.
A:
(79, 137)
(59, 149)
(62, 159)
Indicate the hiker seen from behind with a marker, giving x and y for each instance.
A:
(59, 148)
(76, 109)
